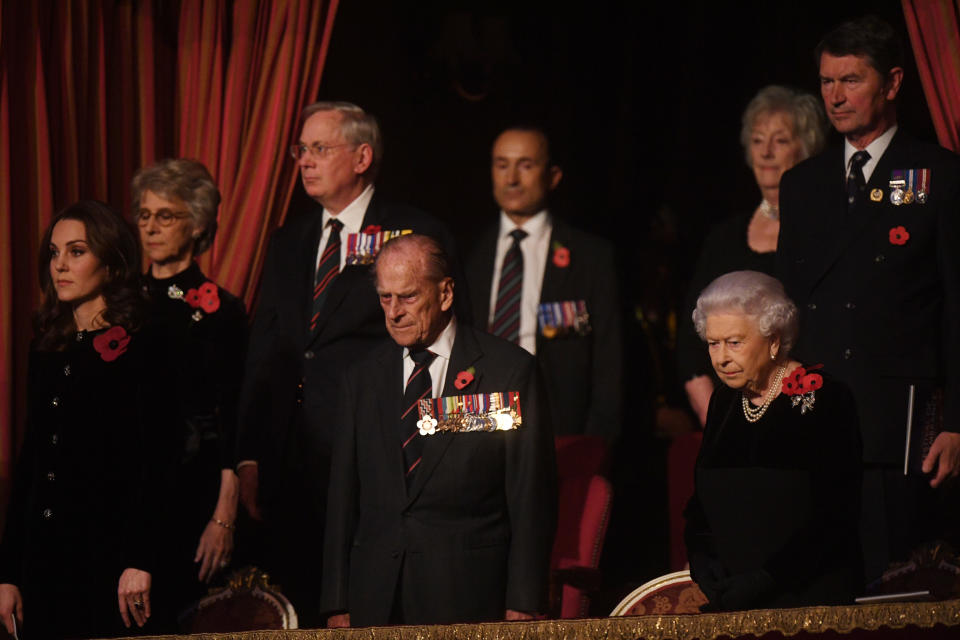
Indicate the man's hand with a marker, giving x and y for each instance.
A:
(339, 621)
(513, 614)
(699, 390)
(11, 604)
(945, 456)
(249, 476)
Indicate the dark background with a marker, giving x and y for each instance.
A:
(643, 102)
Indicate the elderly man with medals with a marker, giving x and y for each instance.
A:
(442, 503)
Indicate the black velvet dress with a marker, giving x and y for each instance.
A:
(773, 521)
(207, 328)
(87, 480)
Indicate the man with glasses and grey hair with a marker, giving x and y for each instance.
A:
(317, 313)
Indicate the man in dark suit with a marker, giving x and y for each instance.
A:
(869, 249)
(444, 527)
(537, 281)
(317, 314)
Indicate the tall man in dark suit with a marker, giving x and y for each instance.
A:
(870, 251)
(537, 281)
(428, 525)
(317, 314)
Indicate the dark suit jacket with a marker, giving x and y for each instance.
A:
(472, 536)
(879, 315)
(290, 396)
(581, 374)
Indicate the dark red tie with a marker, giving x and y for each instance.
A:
(419, 385)
(506, 314)
(327, 270)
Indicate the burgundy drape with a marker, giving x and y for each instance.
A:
(90, 90)
(934, 27)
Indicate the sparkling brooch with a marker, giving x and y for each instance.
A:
(175, 292)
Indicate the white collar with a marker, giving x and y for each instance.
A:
(534, 226)
(352, 215)
(443, 345)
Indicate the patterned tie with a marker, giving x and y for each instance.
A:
(855, 179)
(419, 385)
(506, 315)
(327, 270)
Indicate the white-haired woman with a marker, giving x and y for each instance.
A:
(780, 128)
(175, 207)
(773, 521)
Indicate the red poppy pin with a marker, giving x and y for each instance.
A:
(111, 343)
(192, 298)
(801, 385)
(561, 256)
(464, 378)
(899, 235)
(372, 229)
(209, 297)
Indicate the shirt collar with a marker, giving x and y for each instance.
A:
(352, 215)
(537, 225)
(876, 149)
(443, 346)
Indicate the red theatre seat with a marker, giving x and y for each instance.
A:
(582, 518)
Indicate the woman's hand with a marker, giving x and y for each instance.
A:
(11, 604)
(216, 543)
(213, 552)
(133, 596)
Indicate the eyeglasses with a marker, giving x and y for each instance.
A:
(315, 150)
(164, 217)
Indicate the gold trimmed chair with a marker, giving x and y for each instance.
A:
(247, 603)
(671, 594)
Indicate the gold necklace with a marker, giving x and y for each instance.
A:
(752, 413)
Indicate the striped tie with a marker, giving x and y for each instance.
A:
(419, 385)
(506, 316)
(855, 179)
(327, 270)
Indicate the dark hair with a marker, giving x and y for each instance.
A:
(435, 259)
(868, 36)
(553, 159)
(113, 242)
(188, 181)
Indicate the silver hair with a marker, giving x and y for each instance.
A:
(805, 113)
(188, 181)
(754, 294)
(434, 259)
(358, 127)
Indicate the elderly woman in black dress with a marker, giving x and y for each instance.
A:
(79, 541)
(780, 127)
(175, 207)
(773, 521)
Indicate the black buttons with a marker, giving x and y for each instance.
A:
(847, 354)
(849, 306)
(47, 514)
(812, 306)
(51, 476)
(309, 355)
(880, 258)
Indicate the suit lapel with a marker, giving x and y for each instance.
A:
(391, 396)
(487, 252)
(554, 277)
(858, 220)
(466, 352)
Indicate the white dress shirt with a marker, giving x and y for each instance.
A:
(442, 347)
(876, 149)
(535, 249)
(351, 217)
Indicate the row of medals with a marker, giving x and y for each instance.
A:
(899, 195)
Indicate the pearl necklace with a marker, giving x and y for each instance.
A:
(769, 210)
(752, 413)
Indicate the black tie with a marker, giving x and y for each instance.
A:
(327, 270)
(419, 385)
(855, 179)
(506, 312)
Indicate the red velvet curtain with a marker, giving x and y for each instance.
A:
(90, 90)
(934, 27)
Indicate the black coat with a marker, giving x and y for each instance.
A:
(472, 536)
(581, 374)
(880, 316)
(87, 482)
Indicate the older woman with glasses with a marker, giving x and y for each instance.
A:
(774, 519)
(175, 207)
